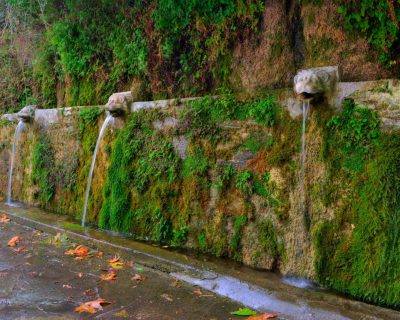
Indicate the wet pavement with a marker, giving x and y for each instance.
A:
(178, 285)
(41, 282)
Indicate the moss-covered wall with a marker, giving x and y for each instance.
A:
(222, 176)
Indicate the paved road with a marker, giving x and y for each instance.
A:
(40, 282)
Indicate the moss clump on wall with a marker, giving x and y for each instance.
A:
(42, 166)
(154, 195)
(357, 251)
(140, 188)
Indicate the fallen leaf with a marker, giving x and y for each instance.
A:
(80, 275)
(116, 263)
(4, 218)
(176, 283)
(263, 316)
(80, 252)
(138, 277)
(110, 275)
(67, 286)
(244, 312)
(121, 314)
(167, 297)
(90, 293)
(199, 293)
(114, 259)
(91, 306)
(20, 250)
(99, 254)
(14, 241)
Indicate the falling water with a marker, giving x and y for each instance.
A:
(17, 133)
(106, 122)
(306, 109)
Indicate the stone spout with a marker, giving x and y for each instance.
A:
(27, 114)
(316, 82)
(119, 103)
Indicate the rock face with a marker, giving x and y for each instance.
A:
(119, 103)
(27, 113)
(317, 81)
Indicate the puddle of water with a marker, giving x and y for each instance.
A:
(258, 299)
(301, 283)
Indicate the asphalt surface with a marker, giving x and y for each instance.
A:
(39, 281)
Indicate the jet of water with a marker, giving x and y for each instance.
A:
(20, 127)
(109, 119)
(306, 110)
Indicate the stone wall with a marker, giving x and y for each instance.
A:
(170, 173)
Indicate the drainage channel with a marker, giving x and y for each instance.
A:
(261, 291)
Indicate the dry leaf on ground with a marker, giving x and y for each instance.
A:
(14, 241)
(116, 263)
(80, 252)
(110, 275)
(167, 297)
(20, 250)
(91, 306)
(4, 218)
(137, 277)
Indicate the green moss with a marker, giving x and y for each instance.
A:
(42, 165)
(234, 245)
(268, 238)
(244, 182)
(140, 190)
(357, 252)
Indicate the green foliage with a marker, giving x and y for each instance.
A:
(357, 251)
(379, 21)
(263, 111)
(357, 132)
(204, 116)
(268, 237)
(202, 241)
(42, 165)
(238, 225)
(244, 312)
(258, 141)
(195, 165)
(140, 187)
(226, 173)
(179, 236)
(197, 34)
(88, 116)
(244, 182)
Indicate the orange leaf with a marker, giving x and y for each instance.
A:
(263, 316)
(4, 218)
(80, 252)
(114, 259)
(91, 306)
(110, 275)
(14, 241)
(116, 263)
(138, 277)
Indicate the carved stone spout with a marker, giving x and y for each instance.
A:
(316, 82)
(119, 103)
(27, 114)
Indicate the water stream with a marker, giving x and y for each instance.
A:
(17, 134)
(109, 119)
(303, 155)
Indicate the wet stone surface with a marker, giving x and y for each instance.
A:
(40, 282)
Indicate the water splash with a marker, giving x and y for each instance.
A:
(109, 119)
(303, 155)
(20, 127)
